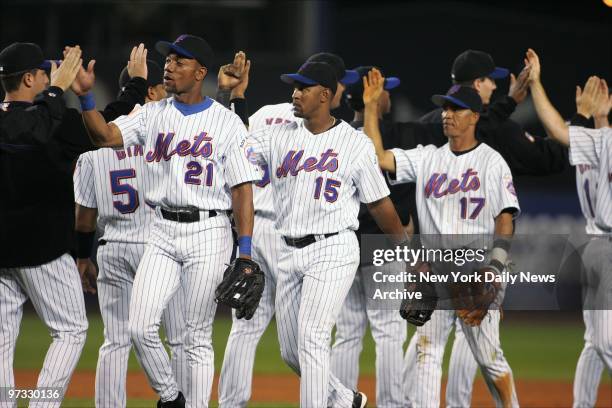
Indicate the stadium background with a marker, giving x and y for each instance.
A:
(416, 41)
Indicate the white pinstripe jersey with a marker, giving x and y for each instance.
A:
(457, 194)
(111, 181)
(266, 116)
(593, 147)
(586, 187)
(192, 156)
(318, 180)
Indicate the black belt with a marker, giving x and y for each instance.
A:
(185, 215)
(307, 240)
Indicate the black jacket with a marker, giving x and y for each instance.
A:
(39, 144)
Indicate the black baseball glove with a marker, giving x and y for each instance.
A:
(242, 286)
(419, 311)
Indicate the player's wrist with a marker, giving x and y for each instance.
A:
(244, 246)
(87, 102)
(84, 244)
(584, 112)
(498, 257)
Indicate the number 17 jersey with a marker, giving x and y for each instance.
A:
(457, 194)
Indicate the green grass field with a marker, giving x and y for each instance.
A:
(536, 349)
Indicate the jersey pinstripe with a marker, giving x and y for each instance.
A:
(266, 116)
(586, 187)
(112, 181)
(457, 194)
(319, 180)
(593, 147)
(191, 158)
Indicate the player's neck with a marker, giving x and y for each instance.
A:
(19, 96)
(320, 123)
(189, 98)
(462, 143)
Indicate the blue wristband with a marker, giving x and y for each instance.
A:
(244, 245)
(87, 102)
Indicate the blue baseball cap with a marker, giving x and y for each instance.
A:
(461, 96)
(472, 64)
(313, 73)
(354, 92)
(344, 76)
(188, 46)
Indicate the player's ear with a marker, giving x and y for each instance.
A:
(201, 73)
(475, 117)
(27, 79)
(325, 95)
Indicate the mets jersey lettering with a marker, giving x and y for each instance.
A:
(192, 158)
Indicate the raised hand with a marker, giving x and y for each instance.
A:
(235, 76)
(137, 65)
(603, 104)
(373, 85)
(519, 87)
(587, 100)
(65, 75)
(533, 62)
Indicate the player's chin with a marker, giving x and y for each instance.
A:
(298, 112)
(169, 87)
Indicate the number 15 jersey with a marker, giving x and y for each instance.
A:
(457, 194)
(317, 181)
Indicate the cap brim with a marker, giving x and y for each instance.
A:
(350, 77)
(441, 100)
(46, 64)
(499, 73)
(391, 82)
(166, 47)
(291, 78)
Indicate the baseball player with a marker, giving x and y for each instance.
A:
(195, 173)
(108, 191)
(387, 327)
(237, 370)
(590, 366)
(460, 172)
(320, 168)
(39, 141)
(590, 151)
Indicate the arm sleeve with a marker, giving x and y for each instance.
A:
(239, 166)
(368, 177)
(257, 147)
(84, 186)
(501, 193)
(407, 163)
(585, 145)
(133, 126)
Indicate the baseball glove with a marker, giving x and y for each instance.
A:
(241, 288)
(483, 295)
(419, 311)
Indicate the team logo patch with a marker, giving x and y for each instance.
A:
(249, 152)
(510, 187)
